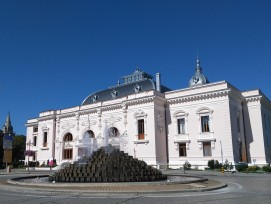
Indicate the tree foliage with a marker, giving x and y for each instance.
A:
(18, 148)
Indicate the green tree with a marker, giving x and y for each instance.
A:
(18, 149)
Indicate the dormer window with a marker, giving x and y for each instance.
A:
(114, 94)
(94, 99)
(137, 88)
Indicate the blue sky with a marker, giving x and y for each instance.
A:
(55, 53)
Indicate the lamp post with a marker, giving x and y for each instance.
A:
(221, 152)
(29, 143)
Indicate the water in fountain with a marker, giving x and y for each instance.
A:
(89, 145)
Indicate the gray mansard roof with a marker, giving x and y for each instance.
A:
(139, 81)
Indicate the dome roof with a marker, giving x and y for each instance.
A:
(198, 78)
(139, 81)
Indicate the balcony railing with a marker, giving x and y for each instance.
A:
(141, 138)
(181, 138)
(206, 136)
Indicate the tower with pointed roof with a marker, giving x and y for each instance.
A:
(198, 78)
(7, 127)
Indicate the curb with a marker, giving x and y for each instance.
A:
(113, 188)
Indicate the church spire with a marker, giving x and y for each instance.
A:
(7, 128)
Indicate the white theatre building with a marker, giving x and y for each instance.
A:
(149, 121)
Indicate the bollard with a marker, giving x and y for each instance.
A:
(222, 170)
(8, 169)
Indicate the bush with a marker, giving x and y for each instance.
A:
(2, 165)
(187, 165)
(18, 164)
(228, 165)
(267, 168)
(252, 168)
(33, 164)
(211, 164)
(241, 167)
(217, 165)
(214, 164)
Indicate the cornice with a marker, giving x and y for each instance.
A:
(67, 115)
(111, 107)
(197, 97)
(31, 124)
(253, 99)
(141, 100)
(50, 117)
(86, 112)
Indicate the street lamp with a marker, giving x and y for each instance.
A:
(28, 153)
(221, 152)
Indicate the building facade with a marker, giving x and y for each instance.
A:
(160, 126)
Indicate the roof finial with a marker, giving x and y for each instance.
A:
(198, 62)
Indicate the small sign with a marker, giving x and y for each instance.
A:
(7, 142)
(8, 137)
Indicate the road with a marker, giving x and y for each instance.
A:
(242, 188)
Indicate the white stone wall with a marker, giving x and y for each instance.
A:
(217, 106)
(220, 100)
(254, 131)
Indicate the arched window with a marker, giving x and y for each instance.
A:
(90, 133)
(68, 137)
(68, 150)
(141, 123)
(181, 120)
(205, 118)
(113, 132)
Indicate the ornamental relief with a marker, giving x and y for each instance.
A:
(180, 113)
(68, 145)
(112, 119)
(68, 125)
(159, 119)
(44, 127)
(88, 123)
(140, 113)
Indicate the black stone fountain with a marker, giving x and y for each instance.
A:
(108, 164)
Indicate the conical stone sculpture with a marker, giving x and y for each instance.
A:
(108, 164)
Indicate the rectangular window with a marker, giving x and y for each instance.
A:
(35, 141)
(67, 154)
(182, 150)
(181, 126)
(205, 123)
(141, 130)
(35, 129)
(238, 124)
(207, 149)
(45, 139)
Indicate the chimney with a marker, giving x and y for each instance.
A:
(158, 82)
